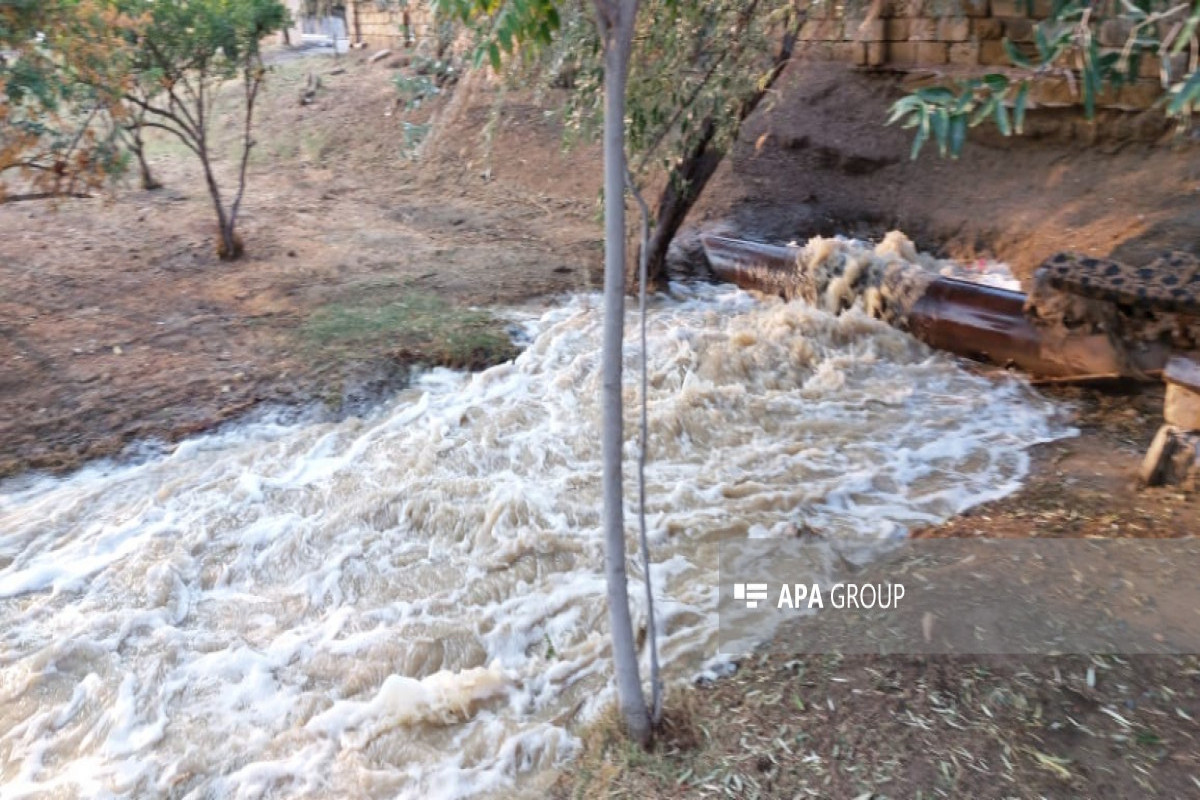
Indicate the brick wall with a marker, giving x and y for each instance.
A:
(920, 35)
(381, 25)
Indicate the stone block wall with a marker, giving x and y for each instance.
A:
(379, 25)
(924, 35)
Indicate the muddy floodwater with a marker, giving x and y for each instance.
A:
(412, 603)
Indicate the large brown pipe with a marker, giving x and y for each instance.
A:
(989, 324)
(969, 319)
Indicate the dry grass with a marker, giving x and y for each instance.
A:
(868, 727)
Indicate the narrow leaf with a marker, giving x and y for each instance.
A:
(1015, 55)
(958, 135)
(941, 130)
(1019, 108)
(1185, 95)
(1002, 121)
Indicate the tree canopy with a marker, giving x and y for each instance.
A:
(57, 135)
(80, 74)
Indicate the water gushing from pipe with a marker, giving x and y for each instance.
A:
(412, 604)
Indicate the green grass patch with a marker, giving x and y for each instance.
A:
(421, 328)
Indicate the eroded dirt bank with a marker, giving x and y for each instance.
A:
(819, 160)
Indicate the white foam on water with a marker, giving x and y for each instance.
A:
(412, 604)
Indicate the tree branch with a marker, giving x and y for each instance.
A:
(643, 437)
(170, 116)
(177, 133)
(252, 84)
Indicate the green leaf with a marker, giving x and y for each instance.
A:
(909, 104)
(899, 109)
(494, 56)
(1185, 96)
(958, 135)
(922, 135)
(965, 101)
(1091, 87)
(1015, 55)
(985, 110)
(1186, 34)
(997, 83)
(504, 36)
(936, 94)
(941, 129)
(1043, 47)
(1002, 119)
(1019, 108)
(1132, 11)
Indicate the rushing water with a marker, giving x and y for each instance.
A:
(411, 604)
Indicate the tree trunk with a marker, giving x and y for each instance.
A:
(229, 244)
(149, 183)
(229, 248)
(684, 184)
(616, 19)
(692, 172)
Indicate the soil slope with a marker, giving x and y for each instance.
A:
(819, 160)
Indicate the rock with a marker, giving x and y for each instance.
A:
(1182, 407)
(309, 92)
(379, 56)
(1173, 459)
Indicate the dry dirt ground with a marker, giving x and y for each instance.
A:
(911, 727)
(118, 323)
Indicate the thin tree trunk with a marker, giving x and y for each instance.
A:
(136, 142)
(643, 446)
(149, 183)
(692, 172)
(228, 245)
(684, 184)
(616, 18)
(252, 77)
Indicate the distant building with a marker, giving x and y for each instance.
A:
(311, 29)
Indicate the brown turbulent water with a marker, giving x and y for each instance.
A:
(411, 604)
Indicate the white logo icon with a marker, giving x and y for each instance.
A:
(750, 592)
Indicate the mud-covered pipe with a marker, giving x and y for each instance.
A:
(989, 324)
(968, 319)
